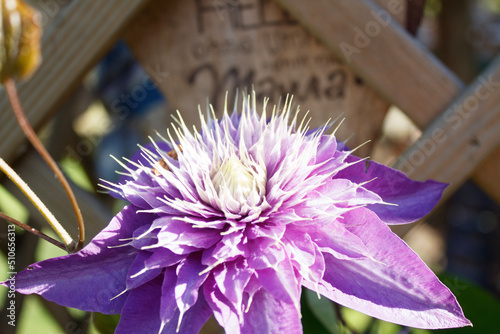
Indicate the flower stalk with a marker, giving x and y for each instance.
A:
(34, 231)
(63, 234)
(11, 91)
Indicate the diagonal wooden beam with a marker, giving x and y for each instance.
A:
(377, 48)
(395, 65)
(76, 38)
(452, 146)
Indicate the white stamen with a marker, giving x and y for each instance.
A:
(233, 175)
(239, 177)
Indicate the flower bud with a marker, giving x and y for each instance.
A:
(20, 35)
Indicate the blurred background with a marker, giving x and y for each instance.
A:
(118, 106)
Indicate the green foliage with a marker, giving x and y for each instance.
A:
(310, 323)
(105, 323)
(34, 317)
(492, 5)
(479, 306)
(321, 309)
(12, 207)
(77, 174)
(433, 7)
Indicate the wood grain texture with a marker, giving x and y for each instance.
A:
(401, 15)
(380, 51)
(73, 42)
(210, 47)
(397, 67)
(453, 146)
(486, 175)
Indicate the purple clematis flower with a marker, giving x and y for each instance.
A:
(234, 220)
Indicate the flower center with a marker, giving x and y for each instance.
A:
(240, 179)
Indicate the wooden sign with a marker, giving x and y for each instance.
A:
(201, 49)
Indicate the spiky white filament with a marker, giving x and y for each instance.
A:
(228, 171)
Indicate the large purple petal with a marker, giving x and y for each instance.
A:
(90, 278)
(331, 237)
(394, 286)
(224, 311)
(280, 281)
(228, 248)
(141, 312)
(189, 280)
(305, 256)
(345, 193)
(195, 318)
(168, 304)
(176, 233)
(270, 315)
(413, 199)
(139, 273)
(162, 258)
(231, 279)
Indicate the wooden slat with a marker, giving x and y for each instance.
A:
(224, 45)
(73, 42)
(453, 146)
(487, 175)
(457, 141)
(42, 181)
(400, 16)
(390, 61)
(394, 64)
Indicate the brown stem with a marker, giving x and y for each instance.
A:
(10, 88)
(33, 231)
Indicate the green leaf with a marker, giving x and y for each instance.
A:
(479, 306)
(323, 310)
(105, 323)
